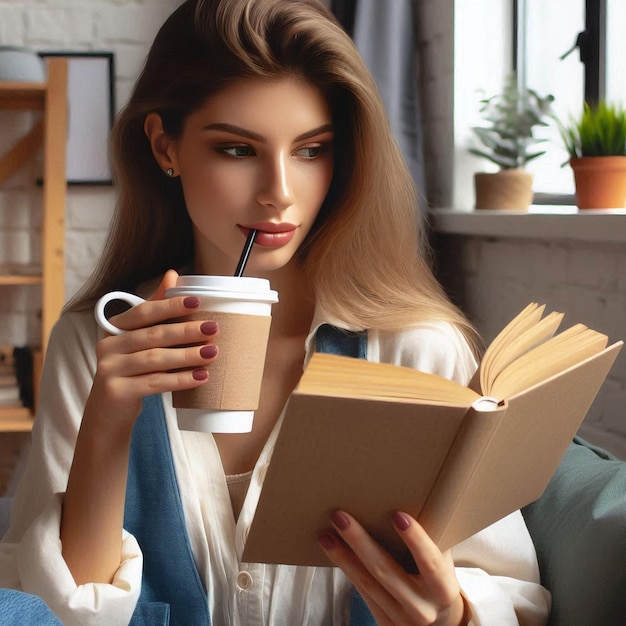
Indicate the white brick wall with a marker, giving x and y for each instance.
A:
(495, 278)
(125, 27)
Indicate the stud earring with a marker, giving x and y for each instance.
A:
(169, 172)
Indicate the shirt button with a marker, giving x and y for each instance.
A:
(244, 581)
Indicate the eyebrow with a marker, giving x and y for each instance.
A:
(243, 132)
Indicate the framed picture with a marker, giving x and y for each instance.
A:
(91, 109)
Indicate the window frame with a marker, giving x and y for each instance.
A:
(590, 45)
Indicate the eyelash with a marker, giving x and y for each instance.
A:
(232, 151)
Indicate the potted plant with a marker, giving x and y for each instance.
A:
(596, 144)
(508, 141)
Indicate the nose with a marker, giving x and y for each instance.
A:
(276, 185)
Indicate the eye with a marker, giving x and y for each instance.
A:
(238, 152)
(312, 152)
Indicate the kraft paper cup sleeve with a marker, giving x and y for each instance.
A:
(235, 376)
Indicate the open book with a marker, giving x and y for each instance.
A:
(371, 438)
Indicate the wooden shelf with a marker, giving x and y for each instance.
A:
(20, 96)
(17, 279)
(48, 135)
(16, 420)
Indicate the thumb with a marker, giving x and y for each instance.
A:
(168, 280)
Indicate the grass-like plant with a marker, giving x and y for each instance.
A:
(600, 131)
(508, 140)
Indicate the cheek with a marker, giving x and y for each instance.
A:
(210, 193)
(317, 187)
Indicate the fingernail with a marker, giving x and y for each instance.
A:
(401, 521)
(326, 540)
(208, 328)
(208, 352)
(340, 520)
(200, 374)
(191, 302)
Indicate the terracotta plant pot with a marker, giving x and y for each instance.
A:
(504, 190)
(600, 182)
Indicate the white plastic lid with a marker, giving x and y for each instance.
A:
(254, 289)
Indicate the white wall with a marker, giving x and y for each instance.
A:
(482, 58)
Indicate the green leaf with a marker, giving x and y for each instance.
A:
(511, 116)
(600, 131)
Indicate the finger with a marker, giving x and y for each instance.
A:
(414, 601)
(160, 336)
(122, 390)
(152, 312)
(370, 552)
(436, 569)
(169, 280)
(157, 360)
(380, 603)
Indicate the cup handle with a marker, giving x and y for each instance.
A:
(124, 296)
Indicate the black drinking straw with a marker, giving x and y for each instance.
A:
(241, 266)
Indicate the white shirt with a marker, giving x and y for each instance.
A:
(497, 568)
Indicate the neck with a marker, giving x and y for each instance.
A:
(293, 312)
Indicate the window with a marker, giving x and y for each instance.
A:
(573, 50)
(615, 84)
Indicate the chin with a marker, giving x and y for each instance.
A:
(267, 263)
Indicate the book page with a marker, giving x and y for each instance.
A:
(548, 359)
(340, 376)
(518, 345)
(524, 320)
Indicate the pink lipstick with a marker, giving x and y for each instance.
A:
(270, 235)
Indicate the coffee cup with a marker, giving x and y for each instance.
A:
(242, 308)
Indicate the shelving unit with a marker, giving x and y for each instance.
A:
(49, 134)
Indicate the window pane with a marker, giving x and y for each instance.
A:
(615, 85)
(551, 30)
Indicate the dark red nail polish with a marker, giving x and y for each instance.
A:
(326, 540)
(200, 374)
(340, 520)
(191, 302)
(208, 328)
(401, 521)
(208, 352)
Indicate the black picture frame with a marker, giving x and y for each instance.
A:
(91, 110)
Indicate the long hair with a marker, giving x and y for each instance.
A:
(363, 254)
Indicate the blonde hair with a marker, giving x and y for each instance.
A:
(363, 254)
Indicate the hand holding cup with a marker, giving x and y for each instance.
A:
(242, 309)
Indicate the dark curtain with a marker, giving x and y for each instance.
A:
(384, 33)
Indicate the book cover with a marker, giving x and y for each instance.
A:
(371, 438)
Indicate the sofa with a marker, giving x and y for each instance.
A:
(578, 527)
(579, 530)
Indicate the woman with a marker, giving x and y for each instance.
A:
(248, 114)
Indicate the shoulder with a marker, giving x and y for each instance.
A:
(73, 338)
(68, 370)
(434, 347)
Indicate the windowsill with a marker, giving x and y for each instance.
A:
(539, 222)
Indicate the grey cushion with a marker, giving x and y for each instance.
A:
(579, 530)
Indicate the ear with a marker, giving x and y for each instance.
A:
(163, 146)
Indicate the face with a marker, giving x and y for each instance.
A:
(257, 155)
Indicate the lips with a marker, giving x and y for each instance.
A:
(270, 235)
